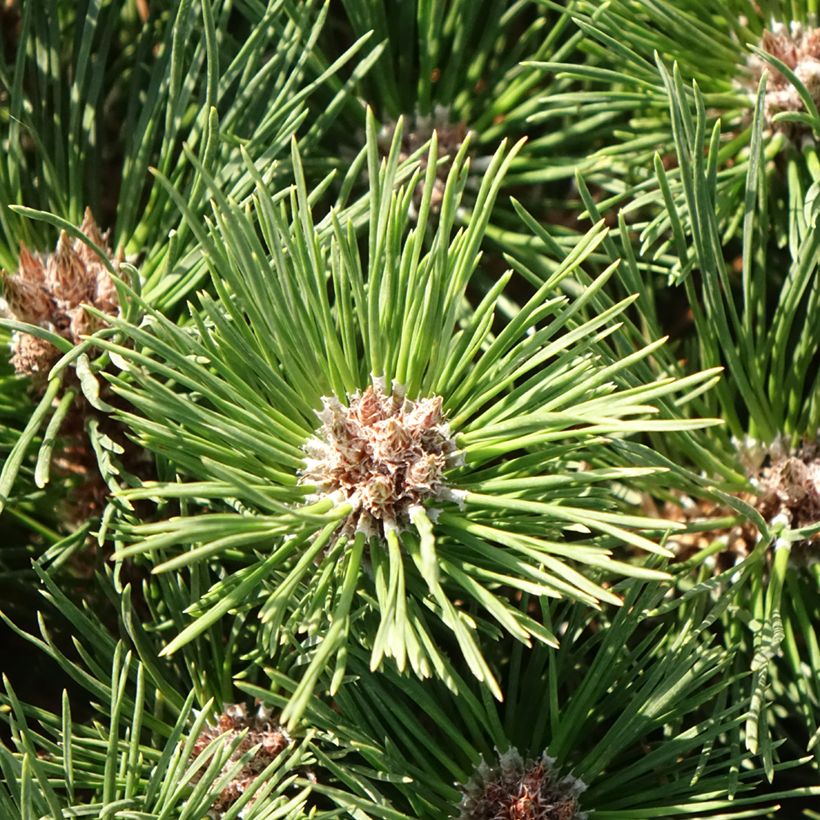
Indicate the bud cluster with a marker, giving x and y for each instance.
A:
(799, 50)
(518, 789)
(384, 454)
(788, 484)
(49, 291)
(416, 133)
(786, 489)
(270, 738)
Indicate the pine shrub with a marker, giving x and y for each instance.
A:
(409, 409)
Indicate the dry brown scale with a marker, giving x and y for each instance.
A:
(518, 789)
(262, 732)
(384, 454)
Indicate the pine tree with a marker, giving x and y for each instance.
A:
(409, 409)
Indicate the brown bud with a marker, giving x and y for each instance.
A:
(31, 266)
(91, 230)
(27, 300)
(70, 279)
(426, 471)
(370, 408)
(105, 294)
(82, 323)
(33, 356)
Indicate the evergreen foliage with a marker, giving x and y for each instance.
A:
(409, 409)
